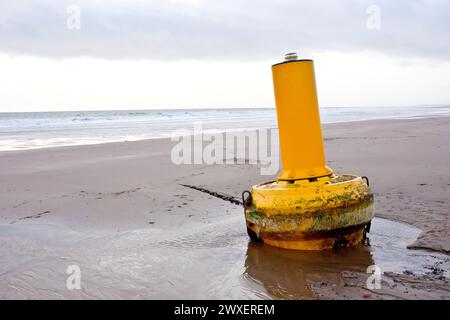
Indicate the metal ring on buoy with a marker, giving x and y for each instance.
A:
(365, 179)
(246, 201)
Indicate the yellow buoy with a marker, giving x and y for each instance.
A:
(309, 207)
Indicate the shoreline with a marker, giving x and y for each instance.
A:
(221, 131)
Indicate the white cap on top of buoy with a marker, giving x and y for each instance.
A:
(290, 56)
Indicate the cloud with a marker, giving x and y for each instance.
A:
(222, 30)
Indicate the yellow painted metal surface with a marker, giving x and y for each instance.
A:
(303, 196)
(302, 153)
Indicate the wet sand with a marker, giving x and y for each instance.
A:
(120, 211)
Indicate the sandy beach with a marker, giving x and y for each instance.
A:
(123, 213)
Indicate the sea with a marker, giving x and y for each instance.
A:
(32, 130)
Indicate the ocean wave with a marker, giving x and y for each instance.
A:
(47, 129)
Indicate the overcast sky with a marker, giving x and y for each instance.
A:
(67, 55)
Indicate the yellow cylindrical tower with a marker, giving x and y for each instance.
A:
(302, 153)
(308, 207)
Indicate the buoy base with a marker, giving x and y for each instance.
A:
(337, 239)
(324, 213)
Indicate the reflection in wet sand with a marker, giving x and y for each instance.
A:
(286, 274)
